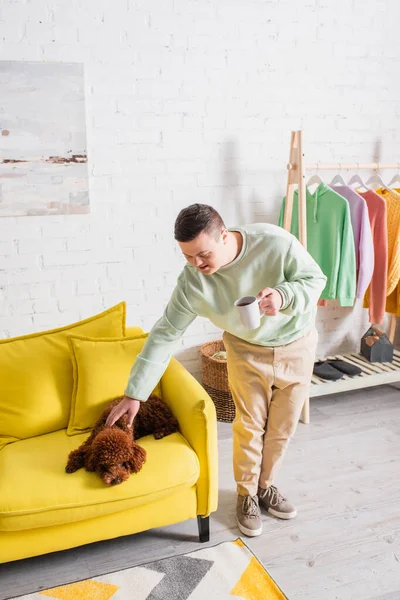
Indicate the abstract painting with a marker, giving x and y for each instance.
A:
(43, 156)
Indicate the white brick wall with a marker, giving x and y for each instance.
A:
(192, 101)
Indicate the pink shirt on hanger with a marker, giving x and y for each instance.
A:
(362, 232)
(375, 298)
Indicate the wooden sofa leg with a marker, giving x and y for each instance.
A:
(204, 528)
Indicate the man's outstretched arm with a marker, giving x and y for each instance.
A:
(152, 362)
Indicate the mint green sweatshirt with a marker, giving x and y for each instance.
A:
(330, 240)
(270, 257)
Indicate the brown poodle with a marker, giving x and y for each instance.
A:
(112, 451)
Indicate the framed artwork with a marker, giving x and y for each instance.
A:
(43, 156)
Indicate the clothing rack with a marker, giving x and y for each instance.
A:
(372, 373)
(347, 166)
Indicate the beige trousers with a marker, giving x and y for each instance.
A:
(269, 387)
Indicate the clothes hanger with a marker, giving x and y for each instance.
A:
(314, 179)
(395, 178)
(356, 179)
(377, 181)
(338, 180)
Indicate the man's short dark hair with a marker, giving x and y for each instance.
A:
(196, 218)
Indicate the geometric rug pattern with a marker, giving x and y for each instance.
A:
(227, 571)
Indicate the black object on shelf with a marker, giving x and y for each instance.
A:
(345, 367)
(326, 371)
(376, 346)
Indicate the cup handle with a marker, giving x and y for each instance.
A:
(261, 314)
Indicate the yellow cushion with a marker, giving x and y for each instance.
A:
(36, 376)
(36, 491)
(101, 370)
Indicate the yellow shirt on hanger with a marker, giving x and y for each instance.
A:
(392, 198)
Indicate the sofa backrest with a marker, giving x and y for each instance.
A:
(36, 375)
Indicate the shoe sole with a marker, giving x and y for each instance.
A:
(248, 532)
(281, 515)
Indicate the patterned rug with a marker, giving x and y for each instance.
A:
(226, 571)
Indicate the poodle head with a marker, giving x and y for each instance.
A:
(114, 456)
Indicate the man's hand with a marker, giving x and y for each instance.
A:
(127, 405)
(271, 301)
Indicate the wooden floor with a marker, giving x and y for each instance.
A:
(343, 473)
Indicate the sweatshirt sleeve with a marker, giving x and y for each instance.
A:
(376, 294)
(304, 281)
(366, 253)
(346, 280)
(393, 208)
(282, 213)
(151, 363)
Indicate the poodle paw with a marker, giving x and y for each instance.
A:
(75, 462)
(71, 468)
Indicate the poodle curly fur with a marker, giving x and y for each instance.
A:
(112, 452)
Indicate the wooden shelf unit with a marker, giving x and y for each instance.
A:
(372, 374)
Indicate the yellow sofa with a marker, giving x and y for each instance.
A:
(43, 509)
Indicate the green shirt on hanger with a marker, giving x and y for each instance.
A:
(330, 240)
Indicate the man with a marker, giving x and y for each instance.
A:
(269, 368)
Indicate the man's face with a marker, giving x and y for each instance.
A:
(205, 252)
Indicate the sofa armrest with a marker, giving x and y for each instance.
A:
(132, 331)
(195, 411)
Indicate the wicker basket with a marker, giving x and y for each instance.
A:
(215, 380)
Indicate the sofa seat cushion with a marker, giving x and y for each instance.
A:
(36, 491)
